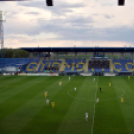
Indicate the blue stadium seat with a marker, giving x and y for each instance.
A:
(121, 65)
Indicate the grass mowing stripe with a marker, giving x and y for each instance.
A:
(3, 78)
(127, 106)
(9, 79)
(54, 84)
(6, 85)
(18, 87)
(40, 120)
(70, 115)
(19, 118)
(33, 116)
(6, 80)
(108, 117)
(92, 127)
(48, 119)
(21, 98)
(74, 120)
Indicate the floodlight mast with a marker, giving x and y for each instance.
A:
(2, 19)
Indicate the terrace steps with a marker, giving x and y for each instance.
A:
(111, 65)
(62, 68)
(86, 65)
(39, 63)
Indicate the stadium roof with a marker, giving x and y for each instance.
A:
(78, 49)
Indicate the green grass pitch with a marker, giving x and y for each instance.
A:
(23, 108)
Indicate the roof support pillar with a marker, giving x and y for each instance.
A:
(57, 56)
(86, 55)
(49, 55)
(45, 55)
(131, 55)
(66, 55)
(112, 55)
(75, 55)
(31, 54)
(38, 54)
(94, 54)
(122, 55)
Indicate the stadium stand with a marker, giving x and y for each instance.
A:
(52, 62)
(50, 65)
(31, 65)
(67, 65)
(13, 64)
(99, 65)
(74, 65)
(123, 65)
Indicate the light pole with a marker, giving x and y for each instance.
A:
(2, 19)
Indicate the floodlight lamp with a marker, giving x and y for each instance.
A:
(2, 16)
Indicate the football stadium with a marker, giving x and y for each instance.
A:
(65, 89)
(30, 85)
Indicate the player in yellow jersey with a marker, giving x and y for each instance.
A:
(53, 104)
(45, 94)
(122, 99)
(109, 84)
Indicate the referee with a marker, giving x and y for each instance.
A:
(100, 89)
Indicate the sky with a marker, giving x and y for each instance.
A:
(69, 23)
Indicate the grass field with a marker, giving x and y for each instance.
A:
(23, 108)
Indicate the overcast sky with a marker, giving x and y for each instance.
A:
(80, 23)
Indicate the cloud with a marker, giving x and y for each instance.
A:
(108, 16)
(37, 4)
(17, 43)
(68, 21)
(33, 13)
(59, 4)
(71, 30)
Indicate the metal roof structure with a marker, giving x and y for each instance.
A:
(78, 49)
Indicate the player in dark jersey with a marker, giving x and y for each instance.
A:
(100, 89)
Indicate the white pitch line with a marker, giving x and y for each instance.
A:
(92, 127)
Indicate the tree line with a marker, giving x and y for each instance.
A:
(15, 53)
